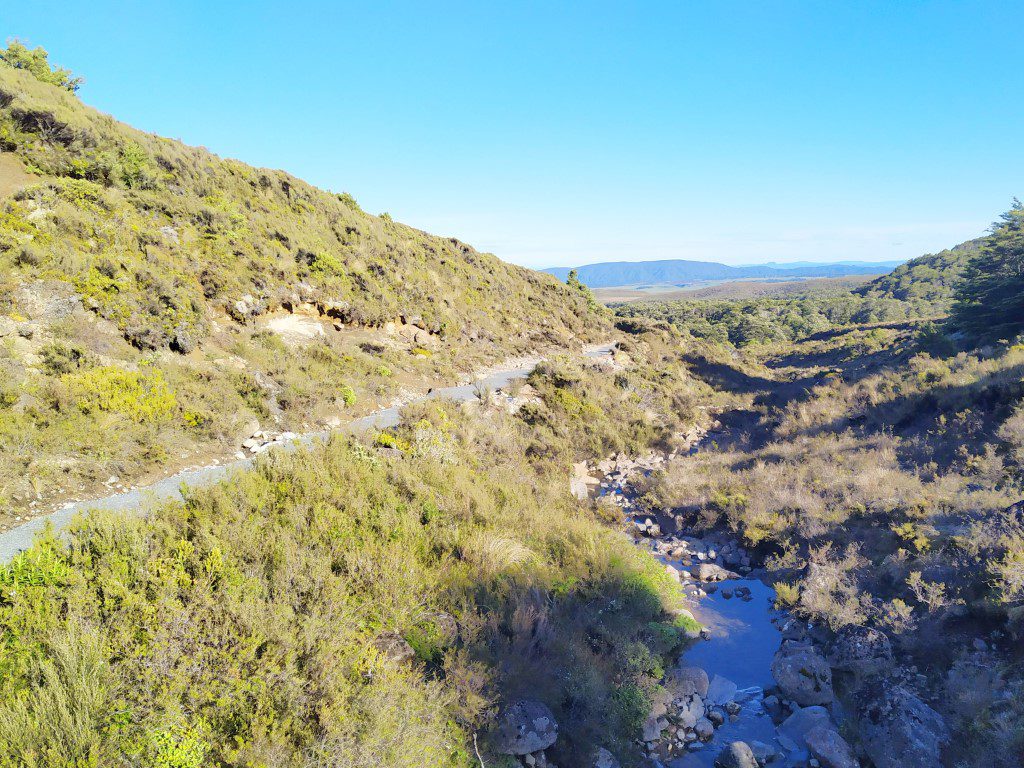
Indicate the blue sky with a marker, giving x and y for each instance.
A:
(567, 133)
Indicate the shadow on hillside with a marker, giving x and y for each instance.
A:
(724, 377)
(914, 416)
(851, 365)
(835, 333)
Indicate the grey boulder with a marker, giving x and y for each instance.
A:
(893, 723)
(803, 675)
(736, 755)
(684, 681)
(830, 748)
(524, 727)
(721, 691)
(712, 572)
(605, 759)
(803, 721)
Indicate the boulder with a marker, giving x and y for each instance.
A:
(712, 572)
(690, 710)
(683, 681)
(183, 340)
(394, 648)
(704, 729)
(830, 748)
(605, 759)
(653, 726)
(763, 753)
(803, 675)
(893, 722)
(800, 723)
(861, 651)
(524, 727)
(721, 691)
(773, 707)
(736, 755)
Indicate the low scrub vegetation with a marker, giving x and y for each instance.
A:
(264, 621)
(882, 485)
(766, 321)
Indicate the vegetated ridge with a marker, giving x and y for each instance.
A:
(159, 305)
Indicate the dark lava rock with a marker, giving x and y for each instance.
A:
(893, 723)
(860, 650)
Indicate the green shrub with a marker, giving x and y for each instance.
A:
(347, 394)
(36, 60)
(141, 396)
(59, 359)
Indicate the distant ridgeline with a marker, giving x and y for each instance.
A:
(975, 289)
(682, 272)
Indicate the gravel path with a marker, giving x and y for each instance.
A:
(17, 539)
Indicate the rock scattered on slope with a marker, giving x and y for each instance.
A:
(394, 648)
(525, 727)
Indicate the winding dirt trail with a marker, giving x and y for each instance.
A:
(139, 499)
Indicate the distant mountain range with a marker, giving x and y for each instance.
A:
(682, 272)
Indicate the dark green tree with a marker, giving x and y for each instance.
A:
(573, 281)
(990, 301)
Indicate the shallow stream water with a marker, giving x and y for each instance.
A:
(741, 647)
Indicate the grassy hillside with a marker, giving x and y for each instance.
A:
(365, 603)
(881, 486)
(155, 299)
(928, 282)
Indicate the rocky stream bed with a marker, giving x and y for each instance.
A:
(756, 688)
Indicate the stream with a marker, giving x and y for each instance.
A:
(740, 639)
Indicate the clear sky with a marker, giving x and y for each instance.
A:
(560, 133)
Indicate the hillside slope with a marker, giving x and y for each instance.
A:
(930, 279)
(158, 304)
